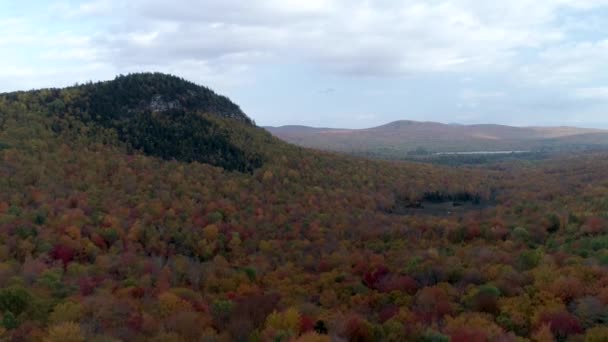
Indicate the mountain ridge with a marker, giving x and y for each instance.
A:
(414, 122)
(403, 136)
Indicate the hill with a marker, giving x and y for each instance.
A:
(400, 138)
(101, 241)
(161, 115)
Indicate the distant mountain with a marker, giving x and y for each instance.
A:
(161, 115)
(403, 137)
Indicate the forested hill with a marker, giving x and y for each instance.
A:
(161, 115)
(154, 92)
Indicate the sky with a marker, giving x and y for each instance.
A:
(332, 63)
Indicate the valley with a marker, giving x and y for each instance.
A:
(411, 140)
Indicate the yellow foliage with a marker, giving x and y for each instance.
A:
(518, 309)
(211, 232)
(235, 242)
(543, 334)
(66, 312)
(65, 332)
(135, 231)
(268, 176)
(265, 246)
(73, 232)
(170, 303)
(328, 298)
(289, 321)
(597, 334)
(545, 303)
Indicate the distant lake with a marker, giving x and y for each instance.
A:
(480, 152)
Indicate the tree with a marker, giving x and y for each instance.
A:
(9, 321)
(321, 328)
(597, 334)
(65, 332)
(562, 324)
(66, 312)
(14, 300)
(221, 311)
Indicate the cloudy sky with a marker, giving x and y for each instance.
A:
(332, 63)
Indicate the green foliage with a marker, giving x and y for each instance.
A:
(14, 300)
(9, 321)
(221, 310)
(216, 217)
(52, 280)
(251, 273)
(434, 336)
(529, 259)
(553, 223)
(521, 234)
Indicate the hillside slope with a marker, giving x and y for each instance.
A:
(161, 115)
(402, 137)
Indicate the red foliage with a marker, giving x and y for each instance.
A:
(357, 329)
(87, 286)
(372, 278)
(99, 241)
(388, 313)
(432, 304)
(138, 292)
(64, 253)
(135, 322)
(473, 231)
(397, 283)
(603, 296)
(594, 225)
(306, 324)
(323, 266)
(562, 324)
(463, 335)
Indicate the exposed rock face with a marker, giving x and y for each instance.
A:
(158, 104)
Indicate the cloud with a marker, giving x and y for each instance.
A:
(358, 37)
(536, 50)
(598, 93)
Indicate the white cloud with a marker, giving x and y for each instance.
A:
(597, 93)
(346, 36)
(539, 48)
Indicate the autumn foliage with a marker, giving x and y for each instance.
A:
(101, 242)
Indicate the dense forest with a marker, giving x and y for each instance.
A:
(150, 209)
(161, 115)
